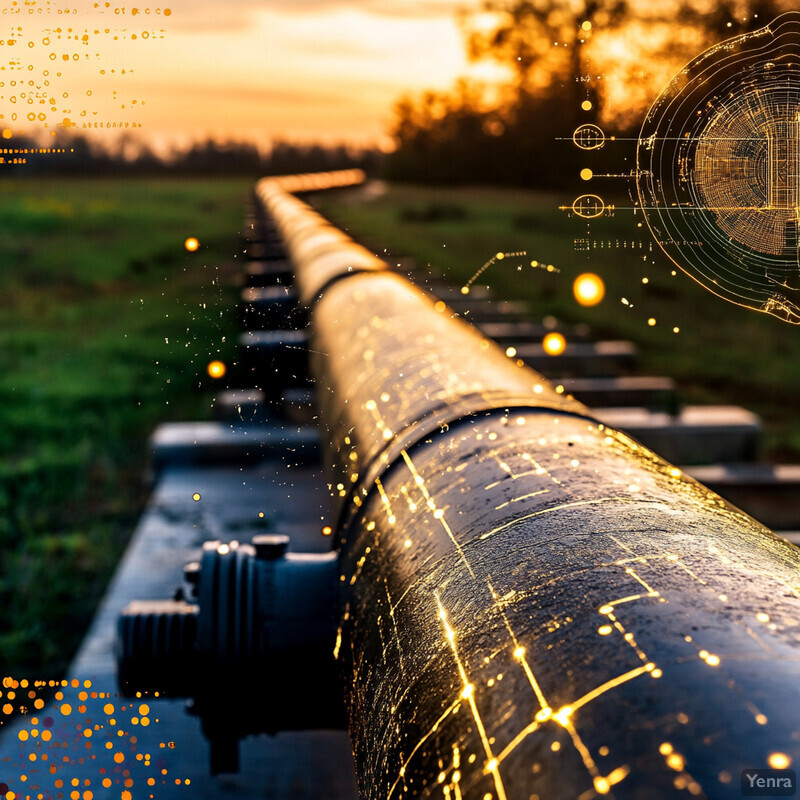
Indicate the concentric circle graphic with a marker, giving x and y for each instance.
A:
(718, 169)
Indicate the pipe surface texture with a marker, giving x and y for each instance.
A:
(534, 605)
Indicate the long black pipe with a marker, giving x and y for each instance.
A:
(534, 605)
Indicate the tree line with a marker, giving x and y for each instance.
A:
(82, 155)
(567, 62)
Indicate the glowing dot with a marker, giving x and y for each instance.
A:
(144, 710)
(23, 736)
(779, 760)
(651, 322)
(586, 105)
(665, 749)
(196, 498)
(440, 306)
(465, 290)
(606, 609)
(762, 617)
(555, 747)
(554, 344)
(491, 766)
(604, 751)
(511, 352)
(7, 133)
(544, 714)
(656, 673)
(119, 758)
(586, 174)
(500, 256)
(562, 715)
(604, 630)
(588, 289)
(601, 785)
(676, 329)
(587, 26)
(468, 691)
(216, 369)
(676, 761)
(327, 530)
(519, 652)
(66, 709)
(761, 719)
(191, 244)
(712, 661)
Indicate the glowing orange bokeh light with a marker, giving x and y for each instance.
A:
(191, 244)
(589, 289)
(554, 344)
(217, 369)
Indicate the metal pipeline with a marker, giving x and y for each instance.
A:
(533, 605)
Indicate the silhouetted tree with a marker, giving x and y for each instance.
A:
(458, 136)
(130, 156)
(543, 44)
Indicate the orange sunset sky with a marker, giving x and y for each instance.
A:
(325, 70)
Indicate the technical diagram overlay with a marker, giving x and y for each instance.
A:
(718, 169)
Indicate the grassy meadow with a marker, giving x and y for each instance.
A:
(108, 323)
(722, 353)
(106, 328)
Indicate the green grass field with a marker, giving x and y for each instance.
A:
(722, 354)
(107, 326)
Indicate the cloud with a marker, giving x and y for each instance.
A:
(213, 15)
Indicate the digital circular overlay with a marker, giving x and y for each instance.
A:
(718, 169)
(588, 137)
(588, 206)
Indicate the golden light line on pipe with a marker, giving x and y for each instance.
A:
(468, 694)
(562, 716)
(438, 513)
